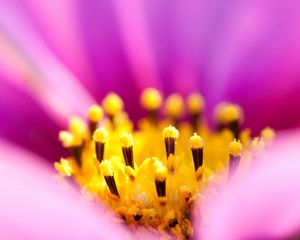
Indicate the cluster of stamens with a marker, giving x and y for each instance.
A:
(153, 175)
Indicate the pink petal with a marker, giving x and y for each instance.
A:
(264, 203)
(35, 206)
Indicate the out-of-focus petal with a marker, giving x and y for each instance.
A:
(262, 204)
(35, 206)
(24, 122)
(27, 60)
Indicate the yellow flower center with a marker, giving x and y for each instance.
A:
(152, 176)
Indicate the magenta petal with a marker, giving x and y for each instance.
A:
(34, 205)
(263, 204)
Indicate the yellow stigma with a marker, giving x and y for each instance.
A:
(195, 103)
(226, 113)
(100, 135)
(161, 173)
(95, 113)
(151, 99)
(196, 141)
(112, 104)
(156, 185)
(106, 168)
(170, 132)
(126, 140)
(267, 134)
(235, 148)
(174, 105)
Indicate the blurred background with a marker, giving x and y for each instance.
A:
(59, 57)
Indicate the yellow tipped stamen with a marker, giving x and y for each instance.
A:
(112, 104)
(127, 140)
(170, 135)
(145, 190)
(229, 116)
(160, 180)
(151, 99)
(235, 153)
(267, 134)
(174, 106)
(100, 137)
(64, 167)
(197, 144)
(195, 105)
(127, 149)
(107, 172)
(95, 113)
(196, 141)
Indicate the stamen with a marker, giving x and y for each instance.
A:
(235, 152)
(100, 137)
(174, 107)
(126, 183)
(160, 180)
(196, 144)
(195, 104)
(112, 105)
(95, 113)
(170, 134)
(229, 116)
(127, 149)
(106, 170)
(151, 100)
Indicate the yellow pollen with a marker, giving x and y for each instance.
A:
(195, 103)
(64, 167)
(174, 105)
(267, 134)
(235, 148)
(226, 113)
(151, 99)
(170, 132)
(95, 113)
(161, 173)
(106, 168)
(100, 135)
(126, 140)
(156, 185)
(112, 104)
(77, 126)
(196, 141)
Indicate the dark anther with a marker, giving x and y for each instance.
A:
(197, 157)
(93, 126)
(110, 181)
(128, 156)
(170, 146)
(173, 223)
(137, 217)
(160, 188)
(99, 148)
(76, 152)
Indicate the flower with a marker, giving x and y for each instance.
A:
(53, 57)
